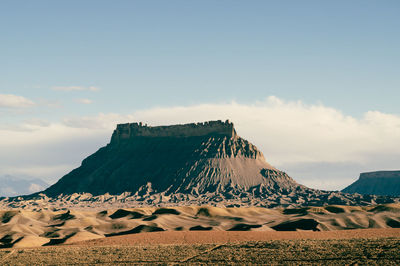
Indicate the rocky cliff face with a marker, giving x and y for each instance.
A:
(211, 128)
(376, 183)
(192, 158)
(192, 164)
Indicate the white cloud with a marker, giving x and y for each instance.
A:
(35, 188)
(49, 103)
(75, 88)
(48, 173)
(101, 121)
(14, 101)
(293, 132)
(84, 101)
(317, 145)
(47, 152)
(28, 125)
(37, 122)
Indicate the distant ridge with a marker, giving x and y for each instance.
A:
(376, 183)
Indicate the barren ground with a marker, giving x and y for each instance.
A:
(28, 228)
(370, 246)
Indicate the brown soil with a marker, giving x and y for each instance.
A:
(222, 237)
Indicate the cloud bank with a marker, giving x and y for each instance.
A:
(317, 145)
(14, 101)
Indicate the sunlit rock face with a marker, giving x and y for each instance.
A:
(377, 183)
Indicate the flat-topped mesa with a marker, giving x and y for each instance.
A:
(380, 174)
(376, 183)
(210, 128)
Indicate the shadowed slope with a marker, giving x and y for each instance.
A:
(376, 183)
(192, 159)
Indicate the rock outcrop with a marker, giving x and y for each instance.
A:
(192, 164)
(190, 159)
(377, 183)
(211, 128)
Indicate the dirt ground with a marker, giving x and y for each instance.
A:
(224, 237)
(300, 248)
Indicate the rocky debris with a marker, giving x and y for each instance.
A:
(377, 183)
(234, 198)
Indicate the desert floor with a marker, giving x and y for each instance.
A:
(364, 246)
(27, 228)
(201, 235)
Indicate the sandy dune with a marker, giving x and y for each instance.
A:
(23, 228)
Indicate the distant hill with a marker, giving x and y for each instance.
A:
(376, 183)
(11, 186)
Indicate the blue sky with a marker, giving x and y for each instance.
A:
(141, 55)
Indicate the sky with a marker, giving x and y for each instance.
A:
(314, 84)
